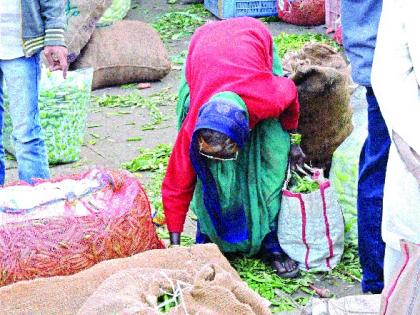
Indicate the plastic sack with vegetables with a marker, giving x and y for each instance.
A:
(63, 108)
(311, 228)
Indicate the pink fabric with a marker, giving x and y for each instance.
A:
(393, 286)
(327, 225)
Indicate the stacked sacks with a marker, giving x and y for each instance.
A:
(119, 51)
(82, 16)
(323, 80)
(125, 52)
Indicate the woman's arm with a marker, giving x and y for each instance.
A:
(178, 185)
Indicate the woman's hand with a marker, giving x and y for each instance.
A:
(296, 156)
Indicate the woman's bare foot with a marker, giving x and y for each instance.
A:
(284, 266)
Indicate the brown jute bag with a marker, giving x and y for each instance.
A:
(323, 80)
(66, 295)
(402, 294)
(125, 52)
(209, 290)
(82, 16)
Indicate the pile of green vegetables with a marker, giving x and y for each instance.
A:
(178, 24)
(294, 42)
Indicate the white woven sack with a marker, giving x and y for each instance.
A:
(311, 228)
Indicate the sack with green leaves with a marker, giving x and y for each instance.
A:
(63, 108)
(344, 177)
(116, 12)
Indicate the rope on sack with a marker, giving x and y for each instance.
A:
(176, 293)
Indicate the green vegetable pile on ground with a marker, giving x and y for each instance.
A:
(154, 160)
(349, 268)
(294, 42)
(150, 159)
(178, 24)
(262, 279)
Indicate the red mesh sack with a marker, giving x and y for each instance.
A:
(302, 12)
(62, 226)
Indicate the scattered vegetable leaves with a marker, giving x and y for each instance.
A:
(150, 159)
(263, 280)
(178, 24)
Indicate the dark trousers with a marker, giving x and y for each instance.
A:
(372, 169)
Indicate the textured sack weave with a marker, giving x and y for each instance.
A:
(63, 226)
(63, 108)
(311, 229)
(402, 294)
(209, 290)
(82, 16)
(323, 81)
(125, 52)
(302, 12)
(66, 295)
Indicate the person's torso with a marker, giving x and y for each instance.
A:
(360, 20)
(10, 29)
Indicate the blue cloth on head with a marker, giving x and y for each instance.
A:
(232, 120)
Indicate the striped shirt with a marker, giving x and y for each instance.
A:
(10, 29)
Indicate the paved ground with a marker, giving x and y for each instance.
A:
(112, 149)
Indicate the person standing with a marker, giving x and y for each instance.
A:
(360, 19)
(26, 28)
(398, 92)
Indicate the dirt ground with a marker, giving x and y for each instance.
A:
(112, 148)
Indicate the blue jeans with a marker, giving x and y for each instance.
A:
(372, 168)
(21, 77)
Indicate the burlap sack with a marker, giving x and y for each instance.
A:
(127, 51)
(82, 16)
(402, 294)
(66, 295)
(211, 290)
(323, 80)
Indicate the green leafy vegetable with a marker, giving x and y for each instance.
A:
(178, 24)
(294, 42)
(150, 159)
(302, 184)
